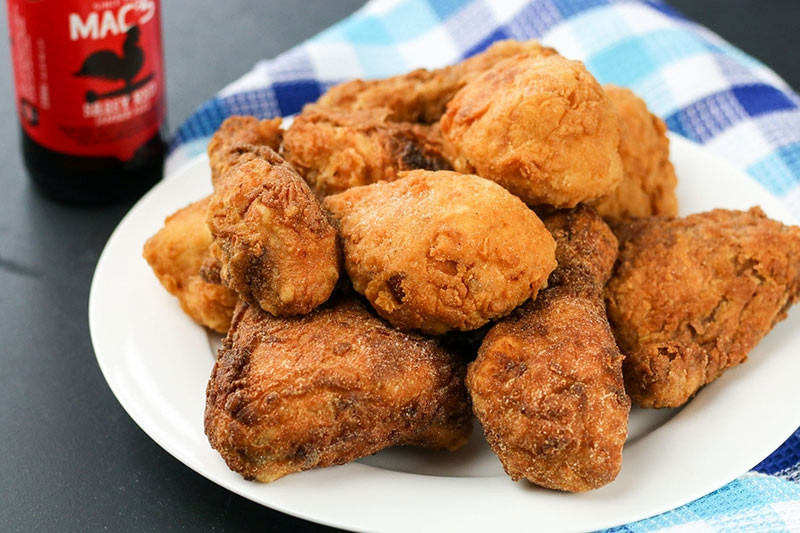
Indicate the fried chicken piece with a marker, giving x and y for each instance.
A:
(691, 297)
(335, 150)
(362, 132)
(547, 384)
(421, 95)
(648, 178)
(275, 244)
(177, 254)
(236, 130)
(541, 127)
(291, 394)
(437, 251)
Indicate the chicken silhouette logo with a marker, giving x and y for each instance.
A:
(110, 66)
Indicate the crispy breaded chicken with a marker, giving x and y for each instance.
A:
(437, 251)
(691, 297)
(335, 150)
(291, 394)
(275, 244)
(177, 254)
(421, 95)
(648, 177)
(236, 130)
(541, 127)
(547, 384)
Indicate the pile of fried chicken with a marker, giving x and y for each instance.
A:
(495, 239)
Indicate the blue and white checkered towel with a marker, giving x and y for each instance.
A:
(734, 105)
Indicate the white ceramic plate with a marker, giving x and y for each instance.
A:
(157, 363)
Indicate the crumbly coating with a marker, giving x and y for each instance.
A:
(335, 150)
(437, 251)
(648, 177)
(236, 130)
(422, 95)
(547, 384)
(291, 394)
(691, 297)
(541, 127)
(275, 244)
(177, 254)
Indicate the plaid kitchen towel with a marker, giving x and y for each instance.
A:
(734, 105)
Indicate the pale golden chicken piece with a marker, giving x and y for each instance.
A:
(648, 177)
(438, 251)
(541, 127)
(291, 394)
(690, 297)
(421, 95)
(547, 385)
(335, 150)
(177, 254)
(275, 244)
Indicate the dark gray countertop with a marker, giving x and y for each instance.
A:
(72, 459)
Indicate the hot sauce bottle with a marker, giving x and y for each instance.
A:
(89, 78)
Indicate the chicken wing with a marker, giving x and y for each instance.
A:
(542, 127)
(335, 150)
(177, 254)
(547, 384)
(291, 394)
(691, 297)
(275, 244)
(438, 250)
(648, 177)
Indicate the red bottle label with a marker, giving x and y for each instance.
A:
(89, 74)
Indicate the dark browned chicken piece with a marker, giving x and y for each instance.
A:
(336, 150)
(275, 244)
(648, 177)
(177, 254)
(691, 297)
(422, 95)
(291, 394)
(236, 130)
(547, 384)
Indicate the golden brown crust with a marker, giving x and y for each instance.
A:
(177, 254)
(586, 248)
(542, 127)
(438, 250)
(691, 297)
(335, 150)
(422, 95)
(274, 242)
(236, 130)
(648, 177)
(290, 394)
(547, 384)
